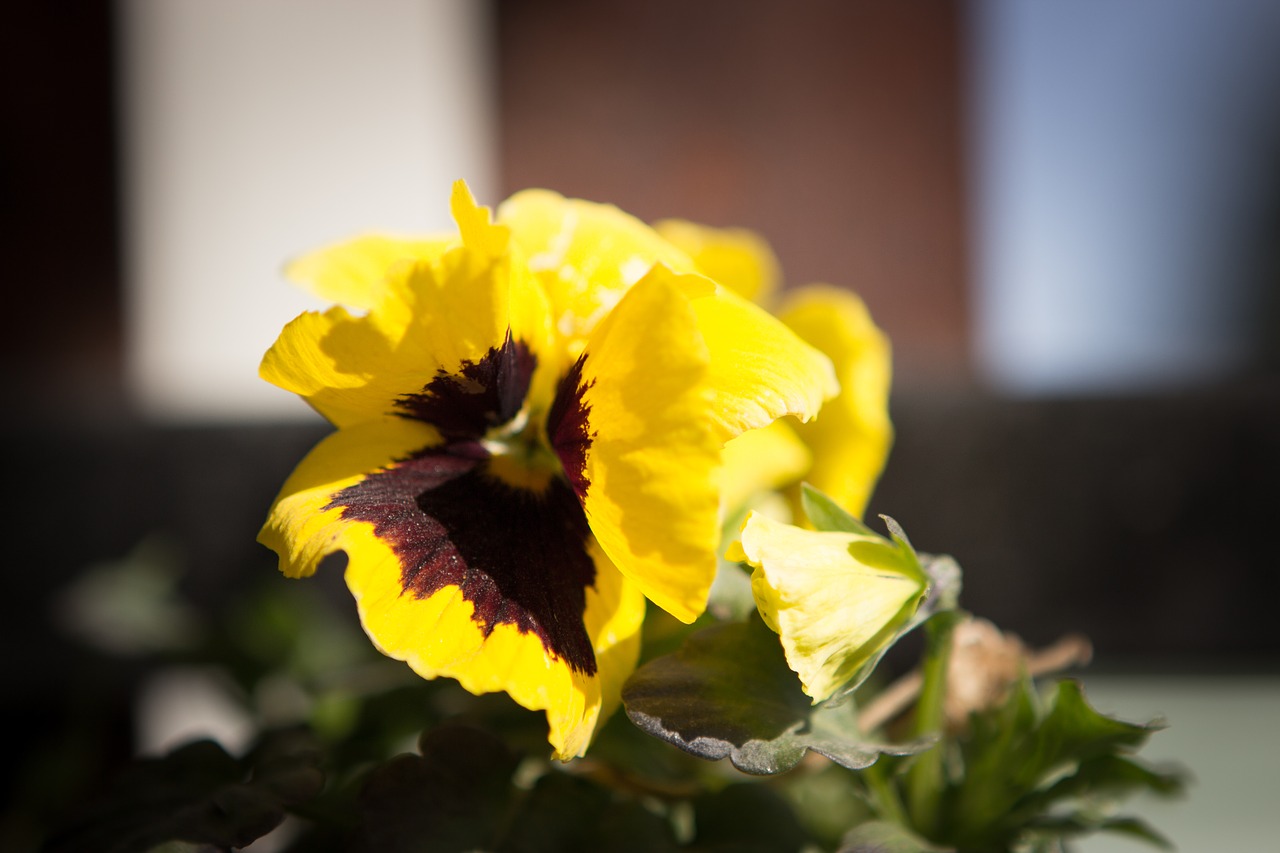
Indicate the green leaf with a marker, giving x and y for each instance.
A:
(1023, 762)
(1106, 778)
(884, 837)
(728, 693)
(744, 818)
(565, 813)
(825, 514)
(1073, 731)
(452, 797)
(1134, 828)
(1058, 827)
(200, 794)
(828, 800)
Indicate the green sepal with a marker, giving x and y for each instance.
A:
(825, 514)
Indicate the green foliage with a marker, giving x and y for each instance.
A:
(1035, 770)
(202, 795)
(877, 836)
(745, 818)
(453, 796)
(727, 693)
(367, 757)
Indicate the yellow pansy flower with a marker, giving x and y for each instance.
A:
(530, 421)
(848, 445)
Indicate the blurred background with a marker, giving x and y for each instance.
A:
(1065, 214)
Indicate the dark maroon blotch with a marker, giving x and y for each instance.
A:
(519, 556)
(481, 395)
(569, 427)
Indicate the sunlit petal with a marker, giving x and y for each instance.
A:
(354, 272)
(851, 440)
(433, 317)
(736, 258)
(586, 255)
(761, 460)
(760, 370)
(647, 475)
(301, 525)
(446, 633)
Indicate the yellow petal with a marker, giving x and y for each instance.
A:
(586, 255)
(835, 599)
(851, 440)
(615, 613)
(651, 464)
(736, 258)
(439, 636)
(761, 460)
(475, 223)
(354, 272)
(344, 366)
(432, 317)
(300, 527)
(760, 370)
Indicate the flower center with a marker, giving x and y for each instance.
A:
(520, 454)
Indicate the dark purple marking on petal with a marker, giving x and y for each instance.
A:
(481, 395)
(519, 556)
(569, 427)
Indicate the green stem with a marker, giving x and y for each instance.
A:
(884, 796)
(924, 779)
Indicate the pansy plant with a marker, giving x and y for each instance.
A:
(531, 416)
(545, 420)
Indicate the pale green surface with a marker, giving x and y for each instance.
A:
(1224, 729)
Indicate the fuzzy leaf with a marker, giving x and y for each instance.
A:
(449, 798)
(884, 837)
(1073, 731)
(1023, 762)
(727, 693)
(745, 818)
(567, 813)
(1051, 830)
(200, 794)
(1106, 778)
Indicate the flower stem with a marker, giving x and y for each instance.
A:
(884, 796)
(924, 779)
